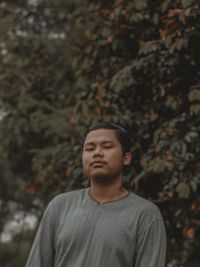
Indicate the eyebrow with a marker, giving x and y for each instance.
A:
(102, 143)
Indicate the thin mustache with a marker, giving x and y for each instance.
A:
(97, 161)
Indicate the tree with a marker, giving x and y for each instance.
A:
(37, 98)
(139, 66)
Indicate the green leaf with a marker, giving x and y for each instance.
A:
(183, 190)
(193, 186)
(187, 3)
(194, 94)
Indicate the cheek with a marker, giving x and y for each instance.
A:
(85, 161)
(117, 155)
(116, 160)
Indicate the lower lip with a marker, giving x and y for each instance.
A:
(98, 164)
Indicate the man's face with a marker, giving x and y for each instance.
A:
(103, 159)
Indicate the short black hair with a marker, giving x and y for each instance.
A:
(122, 135)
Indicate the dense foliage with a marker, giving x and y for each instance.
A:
(136, 63)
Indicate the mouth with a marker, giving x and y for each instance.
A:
(97, 163)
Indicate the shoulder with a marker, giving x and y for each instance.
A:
(67, 197)
(144, 208)
(59, 204)
(64, 200)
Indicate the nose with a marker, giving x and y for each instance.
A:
(98, 152)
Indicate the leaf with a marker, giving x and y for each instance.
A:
(171, 102)
(183, 190)
(178, 44)
(165, 5)
(195, 109)
(122, 79)
(194, 94)
(159, 165)
(6, 23)
(148, 47)
(140, 4)
(187, 3)
(193, 186)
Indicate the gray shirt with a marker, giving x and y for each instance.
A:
(75, 231)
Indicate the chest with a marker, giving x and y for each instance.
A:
(81, 227)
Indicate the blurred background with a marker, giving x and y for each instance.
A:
(65, 65)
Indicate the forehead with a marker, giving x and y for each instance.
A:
(101, 135)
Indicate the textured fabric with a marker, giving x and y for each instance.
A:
(76, 231)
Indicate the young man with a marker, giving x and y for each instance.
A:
(104, 225)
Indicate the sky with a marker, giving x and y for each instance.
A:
(21, 221)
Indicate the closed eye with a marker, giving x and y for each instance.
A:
(108, 146)
(89, 148)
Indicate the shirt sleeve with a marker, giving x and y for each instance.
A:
(42, 251)
(151, 244)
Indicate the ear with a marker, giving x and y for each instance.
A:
(128, 158)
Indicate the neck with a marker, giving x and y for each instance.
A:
(103, 193)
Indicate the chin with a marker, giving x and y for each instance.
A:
(97, 174)
(102, 178)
